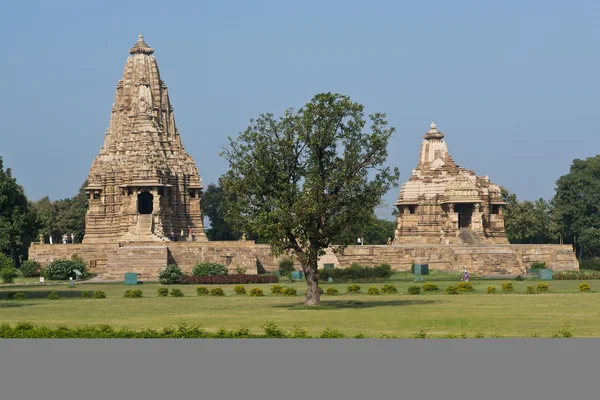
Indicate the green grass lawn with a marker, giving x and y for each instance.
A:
(438, 314)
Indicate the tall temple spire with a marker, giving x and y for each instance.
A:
(143, 185)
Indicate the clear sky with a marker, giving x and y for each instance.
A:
(514, 85)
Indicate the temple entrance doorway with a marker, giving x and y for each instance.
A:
(465, 212)
(145, 203)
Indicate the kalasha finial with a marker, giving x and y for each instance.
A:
(433, 132)
(141, 47)
(433, 126)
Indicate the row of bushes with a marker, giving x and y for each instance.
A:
(238, 279)
(56, 270)
(357, 273)
(575, 275)
(26, 330)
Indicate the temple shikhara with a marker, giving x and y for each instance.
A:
(143, 186)
(443, 203)
(145, 191)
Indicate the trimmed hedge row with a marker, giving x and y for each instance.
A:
(238, 279)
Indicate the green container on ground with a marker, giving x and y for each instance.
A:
(130, 278)
(421, 269)
(545, 274)
(296, 274)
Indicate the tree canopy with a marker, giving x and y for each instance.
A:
(529, 222)
(212, 203)
(17, 219)
(308, 179)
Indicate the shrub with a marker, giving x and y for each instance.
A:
(86, 294)
(564, 332)
(373, 291)
(256, 292)
(530, 290)
(575, 275)
(430, 287)
(8, 274)
(452, 290)
(239, 289)
(519, 278)
(490, 290)
(177, 292)
(209, 269)
(53, 295)
(61, 270)
(286, 266)
(133, 293)
(229, 279)
(353, 288)
(538, 265)
(217, 292)
(357, 273)
(163, 291)
(30, 268)
(584, 287)
(542, 287)
(202, 291)
(389, 288)
(99, 294)
(19, 296)
(277, 289)
(290, 291)
(171, 274)
(331, 333)
(332, 291)
(465, 287)
(414, 290)
(507, 287)
(273, 331)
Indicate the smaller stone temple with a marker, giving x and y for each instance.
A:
(443, 203)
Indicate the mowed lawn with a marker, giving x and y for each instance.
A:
(438, 314)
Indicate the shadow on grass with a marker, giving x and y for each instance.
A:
(355, 304)
(12, 305)
(42, 294)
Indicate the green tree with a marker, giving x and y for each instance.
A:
(213, 207)
(17, 219)
(309, 179)
(577, 199)
(589, 241)
(528, 222)
(378, 230)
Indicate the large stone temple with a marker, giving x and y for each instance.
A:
(143, 185)
(144, 205)
(442, 203)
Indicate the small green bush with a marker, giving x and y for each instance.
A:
(389, 288)
(99, 294)
(452, 290)
(290, 291)
(175, 292)
(286, 266)
(490, 290)
(30, 268)
(256, 292)
(465, 287)
(373, 291)
(202, 291)
(354, 288)
(530, 290)
(507, 287)
(19, 296)
(332, 291)
(8, 274)
(430, 287)
(209, 269)
(86, 294)
(584, 287)
(414, 290)
(538, 265)
(217, 292)
(564, 332)
(62, 270)
(239, 289)
(133, 293)
(53, 295)
(331, 333)
(542, 287)
(170, 275)
(163, 291)
(277, 289)
(519, 278)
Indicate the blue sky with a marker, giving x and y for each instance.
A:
(513, 85)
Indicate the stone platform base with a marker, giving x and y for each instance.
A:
(112, 260)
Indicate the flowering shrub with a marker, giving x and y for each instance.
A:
(430, 287)
(277, 289)
(256, 292)
(237, 279)
(202, 291)
(135, 293)
(389, 288)
(542, 287)
(507, 287)
(209, 269)
(490, 290)
(414, 290)
(290, 291)
(584, 287)
(332, 291)
(217, 292)
(239, 289)
(60, 270)
(353, 288)
(465, 287)
(373, 291)
(171, 274)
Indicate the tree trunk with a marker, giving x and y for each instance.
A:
(313, 295)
